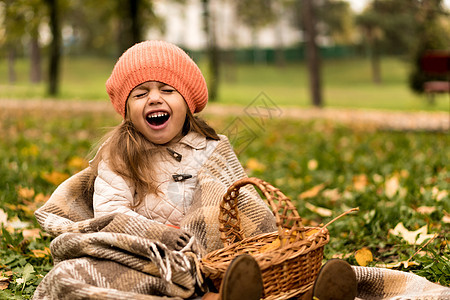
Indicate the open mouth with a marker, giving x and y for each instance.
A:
(157, 118)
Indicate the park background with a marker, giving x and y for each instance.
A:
(323, 99)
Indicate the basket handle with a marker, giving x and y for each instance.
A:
(287, 218)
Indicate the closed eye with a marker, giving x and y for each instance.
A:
(140, 94)
(168, 89)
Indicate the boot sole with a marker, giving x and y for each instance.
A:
(336, 281)
(242, 280)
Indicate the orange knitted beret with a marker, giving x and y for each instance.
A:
(157, 61)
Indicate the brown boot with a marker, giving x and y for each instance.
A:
(242, 280)
(335, 281)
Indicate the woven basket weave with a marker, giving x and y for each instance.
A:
(289, 258)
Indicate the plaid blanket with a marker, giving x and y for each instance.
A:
(378, 283)
(120, 257)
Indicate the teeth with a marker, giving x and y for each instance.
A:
(157, 115)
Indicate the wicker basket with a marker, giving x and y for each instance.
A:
(289, 258)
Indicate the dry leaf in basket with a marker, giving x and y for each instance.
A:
(275, 244)
(272, 246)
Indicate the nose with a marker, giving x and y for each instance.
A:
(154, 97)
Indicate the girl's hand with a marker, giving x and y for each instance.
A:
(176, 239)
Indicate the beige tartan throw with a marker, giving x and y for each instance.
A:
(120, 257)
(378, 283)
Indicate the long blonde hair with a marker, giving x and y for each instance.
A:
(128, 153)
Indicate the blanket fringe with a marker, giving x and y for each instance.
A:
(168, 261)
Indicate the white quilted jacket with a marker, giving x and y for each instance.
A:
(177, 178)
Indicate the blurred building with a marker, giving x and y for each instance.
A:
(184, 26)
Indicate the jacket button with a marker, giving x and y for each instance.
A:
(174, 154)
(181, 177)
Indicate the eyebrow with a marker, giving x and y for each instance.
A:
(140, 87)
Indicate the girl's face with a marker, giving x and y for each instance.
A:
(158, 111)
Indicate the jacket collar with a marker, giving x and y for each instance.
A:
(194, 140)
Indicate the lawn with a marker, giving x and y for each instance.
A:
(346, 83)
(325, 168)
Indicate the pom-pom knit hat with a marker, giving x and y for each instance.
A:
(157, 61)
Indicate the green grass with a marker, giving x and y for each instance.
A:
(352, 167)
(81, 79)
(346, 83)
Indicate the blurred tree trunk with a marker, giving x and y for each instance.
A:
(11, 65)
(130, 24)
(256, 53)
(371, 32)
(228, 57)
(375, 54)
(35, 57)
(280, 59)
(312, 52)
(212, 51)
(55, 47)
(375, 60)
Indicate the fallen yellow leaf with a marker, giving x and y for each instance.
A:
(406, 264)
(27, 209)
(446, 217)
(333, 194)
(377, 178)
(312, 192)
(341, 255)
(254, 165)
(321, 211)
(25, 193)
(16, 223)
(411, 237)
(4, 285)
(41, 253)
(404, 173)
(426, 209)
(391, 186)
(11, 206)
(3, 217)
(31, 150)
(360, 182)
(31, 233)
(437, 194)
(55, 177)
(363, 257)
(312, 164)
(41, 198)
(78, 163)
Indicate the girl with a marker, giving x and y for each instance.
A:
(149, 165)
